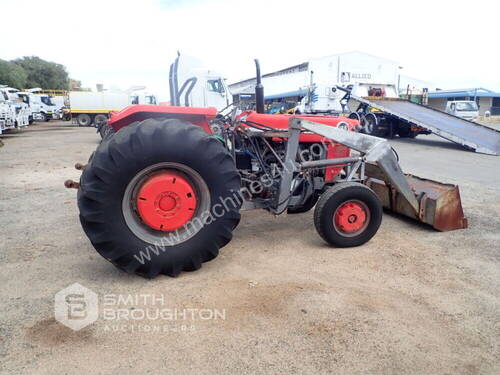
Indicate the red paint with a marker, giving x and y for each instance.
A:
(130, 114)
(281, 122)
(334, 150)
(166, 201)
(350, 217)
(203, 116)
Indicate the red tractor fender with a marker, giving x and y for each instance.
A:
(133, 113)
(203, 116)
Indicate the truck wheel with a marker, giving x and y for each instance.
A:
(357, 116)
(370, 124)
(43, 117)
(405, 132)
(348, 214)
(83, 119)
(160, 196)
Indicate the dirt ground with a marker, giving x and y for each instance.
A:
(412, 300)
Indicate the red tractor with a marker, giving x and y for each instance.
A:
(163, 191)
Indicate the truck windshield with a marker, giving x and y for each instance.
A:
(215, 85)
(467, 106)
(46, 100)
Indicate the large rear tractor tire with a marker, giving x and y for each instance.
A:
(160, 196)
(348, 214)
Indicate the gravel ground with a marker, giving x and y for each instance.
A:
(412, 300)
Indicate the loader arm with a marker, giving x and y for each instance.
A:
(374, 149)
(427, 201)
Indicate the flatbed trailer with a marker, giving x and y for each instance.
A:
(468, 134)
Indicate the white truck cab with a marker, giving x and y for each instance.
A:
(33, 103)
(466, 109)
(143, 98)
(48, 109)
(194, 85)
(19, 110)
(7, 120)
(321, 99)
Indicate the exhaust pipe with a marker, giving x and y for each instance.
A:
(173, 83)
(259, 90)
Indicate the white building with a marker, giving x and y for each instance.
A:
(414, 85)
(346, 68)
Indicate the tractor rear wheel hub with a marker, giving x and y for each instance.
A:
(166, 201)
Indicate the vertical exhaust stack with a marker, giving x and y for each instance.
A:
(259, 90)
(174, 83)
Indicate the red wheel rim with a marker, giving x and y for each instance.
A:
(166, 201)
(351, 218)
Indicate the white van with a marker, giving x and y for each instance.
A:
(466, 109)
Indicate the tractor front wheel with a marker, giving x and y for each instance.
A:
(160, 196)
(348, 214)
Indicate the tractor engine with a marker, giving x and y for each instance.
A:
(261, 160)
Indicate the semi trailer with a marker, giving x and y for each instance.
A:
(381, 116)
(93, 108)
(366, 88)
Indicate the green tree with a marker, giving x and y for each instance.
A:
(45, 74)
(12, 75)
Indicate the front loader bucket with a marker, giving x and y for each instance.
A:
(428, 201)
(439, 204)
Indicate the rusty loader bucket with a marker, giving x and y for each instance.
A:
(439, 204)
(431, 202)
